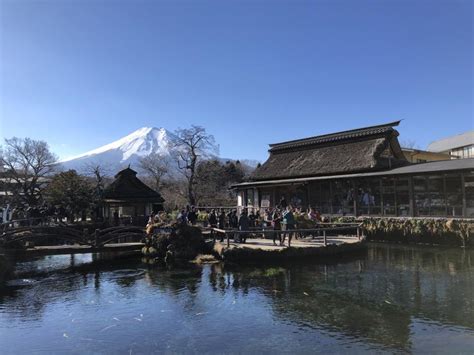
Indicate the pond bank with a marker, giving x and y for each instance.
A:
(263, 250)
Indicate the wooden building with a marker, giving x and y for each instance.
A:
(128, 200)
(359, 172)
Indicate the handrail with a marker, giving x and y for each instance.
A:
(345, 226)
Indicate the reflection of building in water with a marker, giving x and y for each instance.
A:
(377, 297)
(360, 172)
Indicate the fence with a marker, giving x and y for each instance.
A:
(323, 228)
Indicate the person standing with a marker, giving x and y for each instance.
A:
(192, 216)
(221, 220)
(288, 224)
(251, 217)
(276, 225)
(244, 225)
(221, 223)
(212, 219)
(233, 220)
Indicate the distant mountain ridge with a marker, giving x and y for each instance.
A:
(129, 150)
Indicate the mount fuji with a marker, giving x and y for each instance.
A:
(129, 150)
(124, 151)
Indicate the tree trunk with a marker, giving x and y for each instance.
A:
(192, 169)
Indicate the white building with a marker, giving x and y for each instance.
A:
(458, 147)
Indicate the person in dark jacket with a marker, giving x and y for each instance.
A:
(233, 220)
(221, 220)
(276, 224)
(192, 216)
(221, 223)
(212, 219)
(244, 225)
(252, 218)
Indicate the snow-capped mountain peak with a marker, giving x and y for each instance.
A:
(128, 150)
(124, 151)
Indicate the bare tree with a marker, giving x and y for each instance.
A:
(189, 146)
(155, 166)
(408, 143)
(28, 162)
(100, 177)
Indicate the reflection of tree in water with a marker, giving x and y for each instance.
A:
(297, 295)
(373, 297)
(433, 283)
(47, 286)
(181, 284)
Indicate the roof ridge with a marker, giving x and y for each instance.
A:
(357, 132)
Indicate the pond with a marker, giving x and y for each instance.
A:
(392, 299)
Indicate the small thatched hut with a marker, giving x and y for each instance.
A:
(128, 200)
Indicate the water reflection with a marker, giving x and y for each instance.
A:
(391, 299)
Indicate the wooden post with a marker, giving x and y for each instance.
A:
(463, 192)
(96, 238)
(325, 239)
(228, 241)
(358, 233)
(85, 233)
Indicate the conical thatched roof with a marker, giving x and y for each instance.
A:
(359, 150)
(127, 186)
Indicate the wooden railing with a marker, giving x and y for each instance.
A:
(323, 228)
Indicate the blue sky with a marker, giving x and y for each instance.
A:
(80, 74)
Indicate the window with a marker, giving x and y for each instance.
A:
(250, 198)
(469, 191)
(422, 201)
(388, 196)
(369, 197)
(436, 195)
(325, 197)
(403, 196)
(343, 197)
(454, 195)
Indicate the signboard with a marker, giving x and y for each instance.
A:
(265, 201)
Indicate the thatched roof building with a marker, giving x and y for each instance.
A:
(127, 197)
(127, 186)
(358, 150)
(359, 172)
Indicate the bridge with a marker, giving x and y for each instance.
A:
(25, 237)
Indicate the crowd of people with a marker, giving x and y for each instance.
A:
(281, 218)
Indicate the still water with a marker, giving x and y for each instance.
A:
(390, 299)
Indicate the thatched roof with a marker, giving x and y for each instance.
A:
(359, 150)
(127, 186)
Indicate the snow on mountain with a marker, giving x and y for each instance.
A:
(124, 151)
(129, 150)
